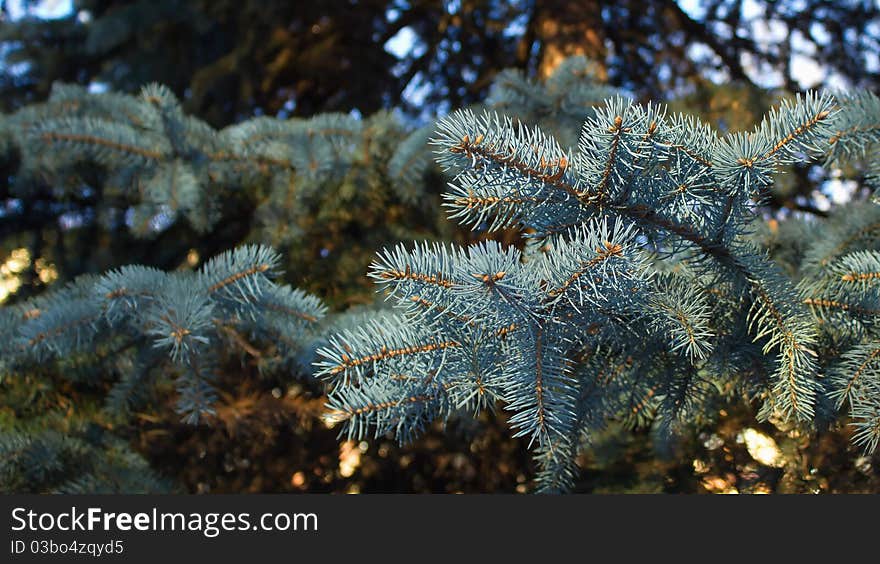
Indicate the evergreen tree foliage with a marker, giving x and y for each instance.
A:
(107, 346)
(57, 437)
(228, 57)
(141, 169)
(79, 461)
(640, 295)
(154, 170)
(837, 269)
(618, 269)
(144, 324)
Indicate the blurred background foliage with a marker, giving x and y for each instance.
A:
(396, 64)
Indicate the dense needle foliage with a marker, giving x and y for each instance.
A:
(618, 268)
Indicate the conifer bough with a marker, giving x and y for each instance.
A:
(641, 295)
(648, 290)
(150, 323)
